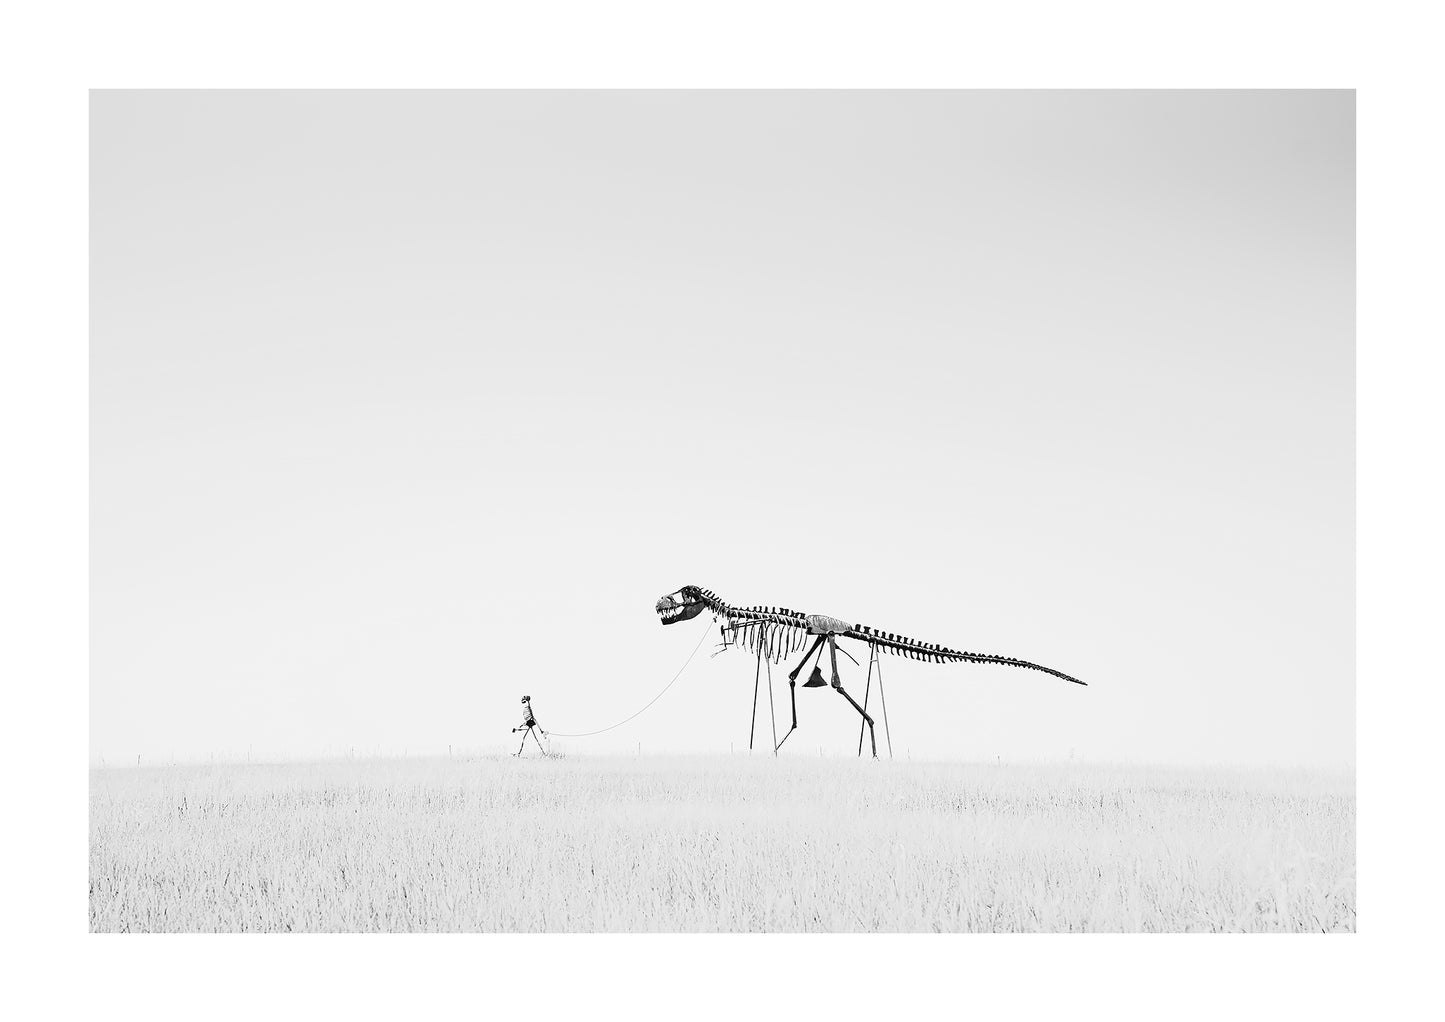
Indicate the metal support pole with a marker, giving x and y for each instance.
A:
(757, 676)
(838, 685)
(866, 689)
(884, 701)
(771, 713)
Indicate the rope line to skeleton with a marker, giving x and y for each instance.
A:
(680, 670)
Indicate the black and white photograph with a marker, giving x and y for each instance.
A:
(743, 511)
(776, 510)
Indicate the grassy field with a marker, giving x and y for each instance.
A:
(725, 843)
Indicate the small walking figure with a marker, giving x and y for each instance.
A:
(530, 726)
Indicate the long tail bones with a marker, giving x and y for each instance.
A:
(776, 633)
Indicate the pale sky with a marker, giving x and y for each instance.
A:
(405, 405)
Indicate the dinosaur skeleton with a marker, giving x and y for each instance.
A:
(773, 634)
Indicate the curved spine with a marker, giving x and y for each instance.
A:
(901, 645)
(777, 632)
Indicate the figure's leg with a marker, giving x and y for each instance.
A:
(838, 684)
(524, 740)
(817, 647)
(533, 732)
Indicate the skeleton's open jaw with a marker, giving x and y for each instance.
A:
(671, 611)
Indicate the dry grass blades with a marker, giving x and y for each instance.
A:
(717, 844)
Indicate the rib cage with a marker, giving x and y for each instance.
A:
(777, 633)
(774, 632)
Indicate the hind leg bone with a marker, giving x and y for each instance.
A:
(838, 684)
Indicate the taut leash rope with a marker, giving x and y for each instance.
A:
(588, 734)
